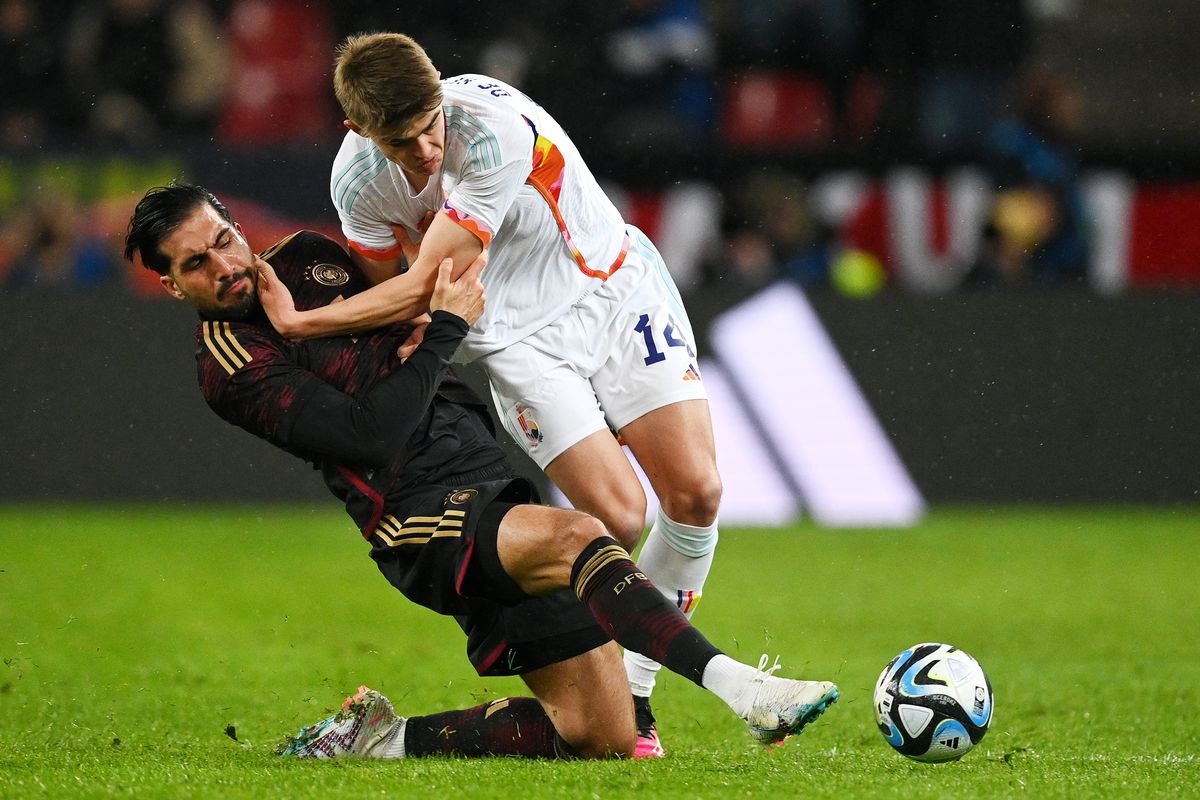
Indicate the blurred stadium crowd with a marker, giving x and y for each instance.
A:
(744, 134)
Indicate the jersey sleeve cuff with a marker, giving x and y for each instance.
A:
(473, 224)
(457, 322)
(375, 254)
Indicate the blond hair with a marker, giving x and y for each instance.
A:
(385, 82)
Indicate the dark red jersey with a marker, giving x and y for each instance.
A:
(379, 430)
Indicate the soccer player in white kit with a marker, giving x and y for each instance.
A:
(584, 332)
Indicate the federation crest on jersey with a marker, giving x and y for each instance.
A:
(528, 425)
(328, 274)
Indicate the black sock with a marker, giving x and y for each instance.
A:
(634, 612)
(510, 726)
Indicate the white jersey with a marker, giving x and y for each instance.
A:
(512, 177)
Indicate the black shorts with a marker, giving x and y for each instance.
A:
(440, 551)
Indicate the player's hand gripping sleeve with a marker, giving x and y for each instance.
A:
(373, 429)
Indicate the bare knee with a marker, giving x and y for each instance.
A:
(540, 554)
(695, 501)
(598, 745)
(626, 524)
(622, 512)
(587, 699)
(538, 546)
(591, 708)
(577, 532)
(612, 736)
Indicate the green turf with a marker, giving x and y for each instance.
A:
(132, 639)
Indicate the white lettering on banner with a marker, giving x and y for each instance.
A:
(684, 223)
(1109, 198)
(910, 209)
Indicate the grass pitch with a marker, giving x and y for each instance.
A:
(161, 653)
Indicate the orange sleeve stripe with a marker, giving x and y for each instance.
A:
(470, 223)
(376, 255)
(549, 167)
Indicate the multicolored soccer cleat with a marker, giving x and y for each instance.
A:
(364, 727)
(784, 706)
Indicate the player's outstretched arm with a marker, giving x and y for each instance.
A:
(396, 299)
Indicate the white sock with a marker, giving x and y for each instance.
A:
(677, 558)
(732, 681)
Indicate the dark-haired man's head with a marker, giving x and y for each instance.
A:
(185, 234)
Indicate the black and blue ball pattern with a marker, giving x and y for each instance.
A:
(933, 702)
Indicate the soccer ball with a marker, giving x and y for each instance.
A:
(933, 702)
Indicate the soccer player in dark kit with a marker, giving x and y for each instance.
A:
(540, 592)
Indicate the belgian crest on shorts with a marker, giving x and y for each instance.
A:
(528, 425)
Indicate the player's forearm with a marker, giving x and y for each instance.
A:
(396, 299)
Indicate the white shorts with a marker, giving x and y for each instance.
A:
(622, 351)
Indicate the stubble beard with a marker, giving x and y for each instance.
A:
(241, 305)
